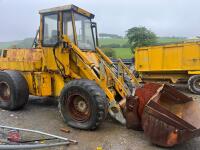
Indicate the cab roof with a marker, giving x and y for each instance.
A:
(67, 8)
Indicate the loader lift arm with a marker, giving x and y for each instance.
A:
(104, 70)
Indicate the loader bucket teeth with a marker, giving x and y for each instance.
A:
(168, 117)
(115, 111)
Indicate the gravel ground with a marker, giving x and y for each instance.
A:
(42, 114)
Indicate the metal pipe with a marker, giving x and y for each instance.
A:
(39, 132)
(31, 146)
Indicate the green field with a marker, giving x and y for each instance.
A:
(108, 41)
(126, 52)
(120, 52)
(123, 53)
(166, 40)
(160, 40)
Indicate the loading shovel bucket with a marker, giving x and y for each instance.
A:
(169, 117)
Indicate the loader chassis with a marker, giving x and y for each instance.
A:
(66, 51)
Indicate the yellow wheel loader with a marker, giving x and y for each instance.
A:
(65, 62)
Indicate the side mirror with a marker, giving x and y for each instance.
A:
(95, 33)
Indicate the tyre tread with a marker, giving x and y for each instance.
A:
(99, 97)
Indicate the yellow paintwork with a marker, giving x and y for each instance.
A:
(48, 69)
(158, 62)
(173, 77)
(194, 72)
(22, 57)
(176, 57)
(43, 84)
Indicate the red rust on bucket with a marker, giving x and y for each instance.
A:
(144, 94)
(170, 117)
(173, 138)
(167, 116)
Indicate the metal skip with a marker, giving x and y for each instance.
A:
(167, 116)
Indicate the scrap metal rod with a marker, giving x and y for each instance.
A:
(39, 132)
(29, 146)
(6, 147)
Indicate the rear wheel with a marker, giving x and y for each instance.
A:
(83, 104)
(13, 90)
(194, 84)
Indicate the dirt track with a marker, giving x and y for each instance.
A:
(43, 115)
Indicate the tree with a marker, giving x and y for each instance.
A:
(109, 52)
(140, 36)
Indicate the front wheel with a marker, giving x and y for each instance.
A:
(83, 104)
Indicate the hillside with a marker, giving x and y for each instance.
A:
(8, 44)
(26, 43)
(120, 44)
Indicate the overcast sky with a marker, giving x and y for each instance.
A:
(19, 18)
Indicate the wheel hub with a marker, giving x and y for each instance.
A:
(197, 83)
(82, 106)
(4, 91)
(78, 107)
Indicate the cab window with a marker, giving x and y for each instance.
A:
(68, 26)
(84, 33)
(50, 30)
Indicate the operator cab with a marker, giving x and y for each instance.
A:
(68, 20)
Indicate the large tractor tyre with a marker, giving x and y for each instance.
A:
(83, 104)
(194, 84)
(14, 91)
